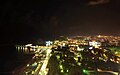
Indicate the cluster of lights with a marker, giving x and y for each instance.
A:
(95, 44)
(48, 43)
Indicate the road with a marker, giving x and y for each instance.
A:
(38, 63)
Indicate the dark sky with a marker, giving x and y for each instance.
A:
(25, 20)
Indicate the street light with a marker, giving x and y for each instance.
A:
(85, 72)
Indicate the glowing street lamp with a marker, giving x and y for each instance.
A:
(85, 72)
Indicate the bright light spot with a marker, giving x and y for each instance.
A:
(48, 43)
(92, 52)
(80, 49)
(65, 55)
(61, 67)
(63, 44)
(34, 64)
(76, 58)
(116, 52)
(90, 47)
(85, 71)
(26, 72)
(99, 36)
(67, 70)
(95, 44)
(36, 54)
(117, 61)
(58, 57)
(28, 65)
(79, 64)
(61, 70)
(28, 45)
(33, 72)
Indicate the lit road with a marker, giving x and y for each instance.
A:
(103, 72)
(43, 70)
(37, 64)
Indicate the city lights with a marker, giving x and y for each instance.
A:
(73, 54)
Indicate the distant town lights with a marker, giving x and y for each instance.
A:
(95, 44)
(48, 43)
(28, 45)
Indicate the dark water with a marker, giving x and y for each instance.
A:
(11, 59)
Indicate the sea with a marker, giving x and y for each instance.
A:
(12, 59)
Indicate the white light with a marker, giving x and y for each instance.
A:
(28, 45)
(90, 47)
(95, 44)
(80, 49)
(99, 36)
(67, 70)
(28, 65)
(63, 45)
(48, 43)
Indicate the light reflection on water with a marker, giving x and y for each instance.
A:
(11, 58)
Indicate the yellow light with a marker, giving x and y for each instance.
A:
(33, 72)
(99, 36)
(61, 70)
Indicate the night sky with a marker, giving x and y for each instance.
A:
(37, 19)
